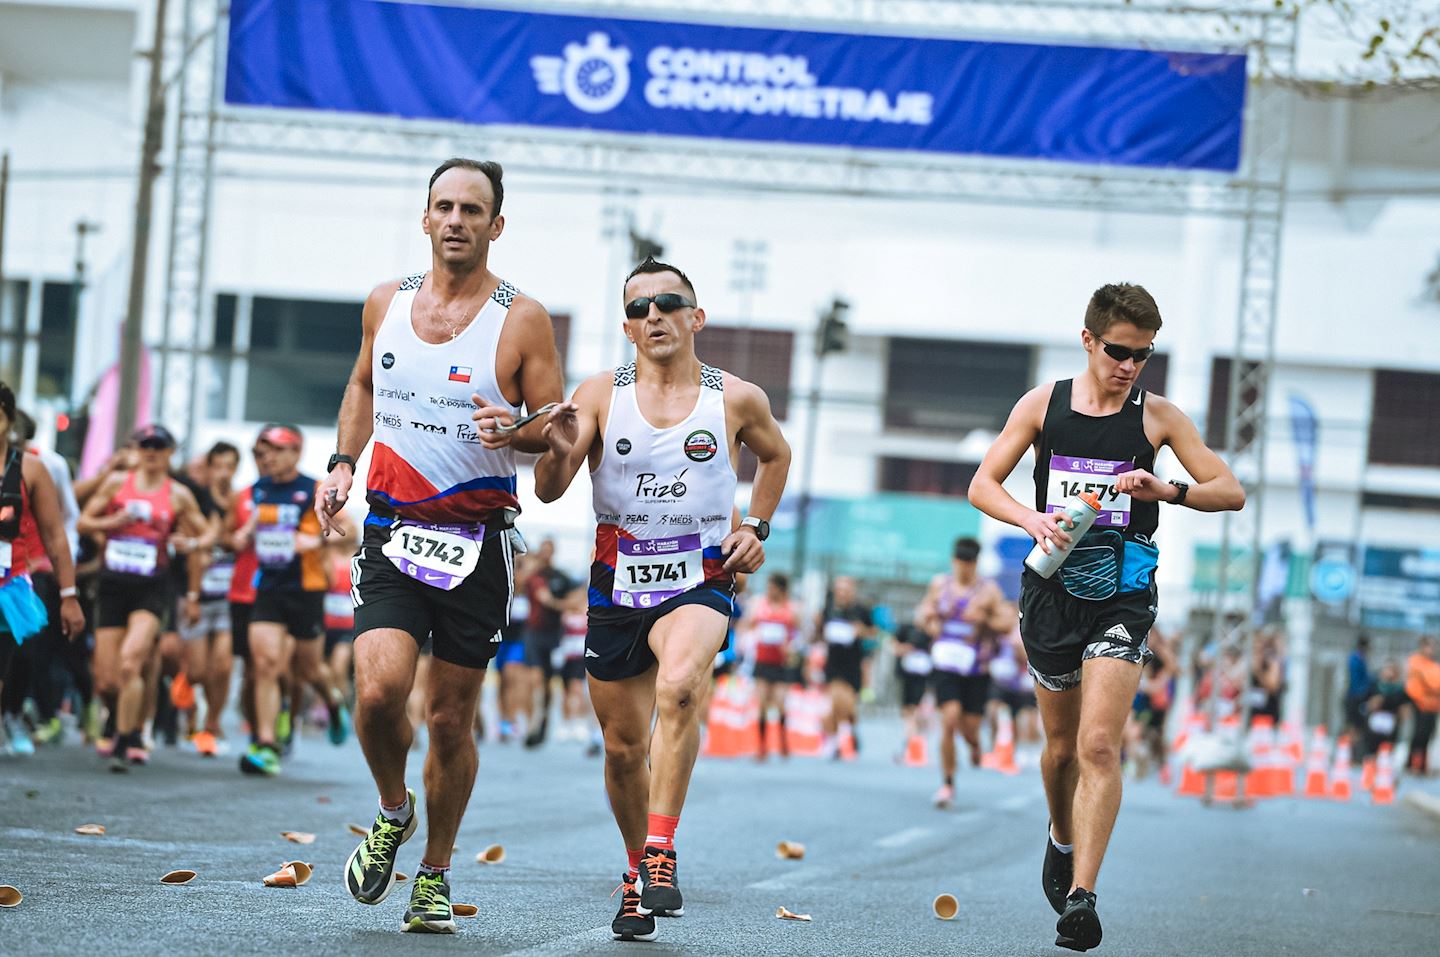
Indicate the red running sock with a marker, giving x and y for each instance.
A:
(634, 854)
(660, 832)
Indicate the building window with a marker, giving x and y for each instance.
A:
(944, 385)
(1217, 419)
(1154, 374)
(13, 297)
(926, 476)
(1405, 409)
(761, 356)
(301, 354)
(58, 304)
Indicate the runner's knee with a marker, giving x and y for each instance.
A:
(677, 695)
(449, 722)
(1060, 753)
(1099, 751)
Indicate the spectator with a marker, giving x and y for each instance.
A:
(1384, 708)
(1357, 687)
(1422, 686)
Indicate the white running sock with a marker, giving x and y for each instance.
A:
(1062, 848)
(400, 814)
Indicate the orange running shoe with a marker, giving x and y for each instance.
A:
(182, 693)
(205, 744)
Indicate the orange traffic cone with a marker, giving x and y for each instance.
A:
(1227, 786)
(1192, 782)
(1315, 784)
(1384, 790)
(847, 744)
(1292, 743)
(915, 751)
(804, 722)
(1259, 780)
(1002, 754)
(1340, 777)
(1367, 773)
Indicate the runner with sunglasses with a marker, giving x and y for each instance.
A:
(137, 512)
(438, 558)
(241, 595)
(1087, 624)
(661, 435)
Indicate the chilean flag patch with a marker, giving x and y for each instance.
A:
(459, 373)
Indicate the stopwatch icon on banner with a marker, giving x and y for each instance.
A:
(594, 77)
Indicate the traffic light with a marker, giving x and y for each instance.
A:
(833, 336)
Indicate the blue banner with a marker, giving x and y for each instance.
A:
(1305, 429)
(475, 65)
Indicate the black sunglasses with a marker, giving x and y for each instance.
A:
(153, 445)
(1121, 353)
(665, 302)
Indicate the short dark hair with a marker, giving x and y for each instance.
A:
(7, 401)
(1121, 302)
(966, 549)
(653, 265)
(492, 170)
(221, 448)
(780, 581)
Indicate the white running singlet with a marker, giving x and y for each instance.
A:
(663, 499)
(428, 464)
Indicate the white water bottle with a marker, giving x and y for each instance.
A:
(1080, 513)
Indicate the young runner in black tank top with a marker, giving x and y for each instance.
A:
(1097, 433)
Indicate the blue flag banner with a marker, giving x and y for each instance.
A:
(466, 64)
(1305, 428)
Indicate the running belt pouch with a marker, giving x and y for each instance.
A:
(1137, 570)
(11, 498)
(22, 609)
(1092, 571)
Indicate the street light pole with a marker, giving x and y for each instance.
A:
(830, 336)
(131, 341)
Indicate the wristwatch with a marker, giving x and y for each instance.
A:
(762, 527)
(1184, 488)
(336, 459)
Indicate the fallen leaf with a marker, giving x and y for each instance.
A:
(323, 799)
(91, 830)
(357, 829)
(290, 874)
(493, 854)
(10, 896)
(298, 837)
(784, 914)
(790, 850)
(178, 877)
(399, 877)
(465, 910)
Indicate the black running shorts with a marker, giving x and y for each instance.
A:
(301, 612)
(620, 648)
(972, 691)
(122, 594)
(844, 666)
(1061, 631)
(912, 689)
(775, 674)
(240, 629)
(463, 623)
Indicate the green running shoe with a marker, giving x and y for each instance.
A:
(370, 871)
(260, 759)
(429, 911)
(284, 731)
(339, 725)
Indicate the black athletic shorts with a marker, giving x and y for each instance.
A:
(1013, 699)
(122, 594)
(301, 612)
(463, 623)
(240, 629)
(912, 688)
(620, 649)
(775, 674)
(572, 670)
(335, 637)
(1061, 631)
(845, 666)
(540, 646)
(972, 691)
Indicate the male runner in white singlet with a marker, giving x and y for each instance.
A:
(1085, 627)
(436, 558)
(662, 435)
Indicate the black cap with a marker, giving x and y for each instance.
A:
(153, 433)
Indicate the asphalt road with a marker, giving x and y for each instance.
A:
(1283, 878)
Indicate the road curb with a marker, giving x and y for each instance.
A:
(1426, 803)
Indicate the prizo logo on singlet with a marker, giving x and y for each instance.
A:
(429, 427)
(647, 487)
(465, 432)
(400, 394)
(389, 420)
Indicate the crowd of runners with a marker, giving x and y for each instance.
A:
(130, 599)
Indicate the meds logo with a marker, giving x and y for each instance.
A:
(594, 78)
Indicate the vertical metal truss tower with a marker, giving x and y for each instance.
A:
(1254, 195)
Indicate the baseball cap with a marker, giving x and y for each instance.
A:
(281, 436)
(153, 435)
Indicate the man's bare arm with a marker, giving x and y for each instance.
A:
(570, 433)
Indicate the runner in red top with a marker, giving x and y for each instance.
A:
(773, 625)
(136, 513)
(340, 613)
(242, 581)
(28, 493)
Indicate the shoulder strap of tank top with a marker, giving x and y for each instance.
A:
(625, 375)
(411, 283)
(505, 293)
(711, 378)
(1060, 396)
(12, 496)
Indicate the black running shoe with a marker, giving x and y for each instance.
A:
(659, 893)
(630, 924)
(1058, 873)
(429, 911)
(370, 871)
(1079, 927)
